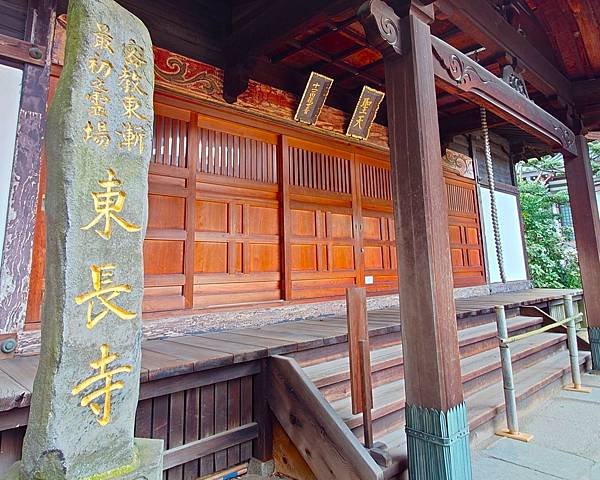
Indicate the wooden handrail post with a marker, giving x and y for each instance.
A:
(356, 308)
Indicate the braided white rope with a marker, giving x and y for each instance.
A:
(490, 174)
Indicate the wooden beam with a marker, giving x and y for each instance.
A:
(22, 202)
(433, 384)
(285, 218)
(485, 25)
(458, 74)
(206, 446)
(430, 339)
(586, 224)
(21, 51)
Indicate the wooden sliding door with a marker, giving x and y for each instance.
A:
(237, 239)
(464, 228)
(323, 241)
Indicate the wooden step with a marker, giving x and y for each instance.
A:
(389, 401)
(333, 377)
(488, 403)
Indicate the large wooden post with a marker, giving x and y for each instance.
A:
(24, 184)
(586, 223)
(436, 418)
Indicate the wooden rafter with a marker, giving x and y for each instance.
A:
(280, 22)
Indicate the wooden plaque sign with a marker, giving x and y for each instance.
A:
(364, 113)
(313, 98)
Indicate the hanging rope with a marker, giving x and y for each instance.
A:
(489, 167)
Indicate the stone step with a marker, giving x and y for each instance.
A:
(478, 372)
(488, 404)
(333, 377)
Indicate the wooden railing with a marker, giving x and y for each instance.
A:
(209, 420)
(325, 442)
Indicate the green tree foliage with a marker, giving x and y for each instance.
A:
(552, 262)
(552, 259)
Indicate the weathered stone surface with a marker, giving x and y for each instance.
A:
(98, 148)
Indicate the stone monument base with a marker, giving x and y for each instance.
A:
(149, 465)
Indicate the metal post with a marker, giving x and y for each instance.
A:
(510, 400)
(573, 349)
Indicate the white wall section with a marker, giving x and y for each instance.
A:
(510, 234)
(10, 97)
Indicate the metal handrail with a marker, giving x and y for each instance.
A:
(507, 371)
(545, 328)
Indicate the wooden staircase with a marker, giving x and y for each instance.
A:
(538, 362)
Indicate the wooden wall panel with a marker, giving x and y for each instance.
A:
(167, 246)
(217, 218)
(464, 229)
(186, 412)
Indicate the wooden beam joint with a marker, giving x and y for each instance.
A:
(22, 51)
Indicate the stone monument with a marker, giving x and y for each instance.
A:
(98, 143)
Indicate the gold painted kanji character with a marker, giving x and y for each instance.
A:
(104, 291)
(131, 105)
(359, 121)
(104, 375)
(103, 38)
(133, 54)
(132, 136)
(98, 98)
(365, 105)
(107, 204)
(99, 66)
(99, 135)
(130, 80)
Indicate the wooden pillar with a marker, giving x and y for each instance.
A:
(20, 224)
(436, 419)
(586, 223)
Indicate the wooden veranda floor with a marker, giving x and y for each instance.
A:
(174, 356)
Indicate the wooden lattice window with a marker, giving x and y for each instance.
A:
(169, 142)
(375, 182)
(230, 155)
(317, 170)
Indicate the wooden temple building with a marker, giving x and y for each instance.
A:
(260, 220)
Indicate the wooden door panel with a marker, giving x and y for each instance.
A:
(304, 258)
(263, 221)
(373, 258)
(211, 216)
(343, 257)
(264, 257)
(304, 223)
(211, 257)
(339, 226)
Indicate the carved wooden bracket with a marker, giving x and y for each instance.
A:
(382, 27)
(455, 72)
(458, 74)
(514, 79)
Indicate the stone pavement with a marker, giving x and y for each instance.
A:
(566, 443)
